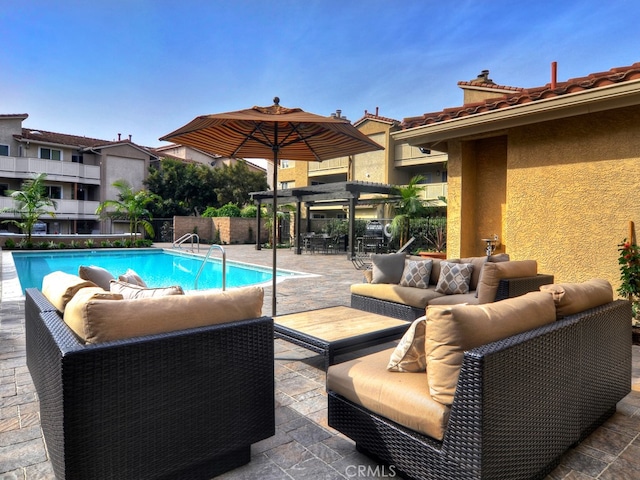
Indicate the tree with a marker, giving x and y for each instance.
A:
(235, 182)
(132, 205)
(408, 207)
(30, 204)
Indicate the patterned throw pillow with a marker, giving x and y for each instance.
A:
(409, 355)
(416, 273)
(454, 278)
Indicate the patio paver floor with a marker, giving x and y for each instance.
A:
(304, 447)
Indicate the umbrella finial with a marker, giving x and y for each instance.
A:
(276, 101)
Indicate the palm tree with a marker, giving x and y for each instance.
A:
(408, 207)
(133, 205)
(30, 204)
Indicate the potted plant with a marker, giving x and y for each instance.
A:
(629, 261)
(437, 239)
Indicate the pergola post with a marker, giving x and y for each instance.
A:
(296, 227)
(258, 229)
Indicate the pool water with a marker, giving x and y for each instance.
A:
(158, 268)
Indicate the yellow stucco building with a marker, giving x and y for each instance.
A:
(554, 171)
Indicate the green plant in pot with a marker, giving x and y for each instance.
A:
(629, 261)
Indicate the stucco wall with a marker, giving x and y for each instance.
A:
(232, 230)
(571, 188)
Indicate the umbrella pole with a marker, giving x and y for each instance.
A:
(274, 241)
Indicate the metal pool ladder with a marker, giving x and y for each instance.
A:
(186, 237)
(224, 266)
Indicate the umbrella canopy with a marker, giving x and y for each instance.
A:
(273, 133)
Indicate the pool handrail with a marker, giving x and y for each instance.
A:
(187, 236)
(224, 266)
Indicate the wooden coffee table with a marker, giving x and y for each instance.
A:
(336, 330)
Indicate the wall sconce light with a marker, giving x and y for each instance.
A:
(424, 150)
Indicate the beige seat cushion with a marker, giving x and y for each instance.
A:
(415, 297)
(492, 273)
(573, 298)
(60, 287)
(453, 330)
(98, 275)
(401, 397)
(128, 290)
(409, 356)
(456, 299)
(73, 316)
(106, 320)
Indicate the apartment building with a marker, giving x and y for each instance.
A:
(80, 172)
(395, 165)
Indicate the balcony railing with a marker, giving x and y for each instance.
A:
(22, 167)
(433, 191)
(341, 163)
(73, 209)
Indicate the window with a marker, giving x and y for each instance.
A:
(3, 189)
(4, 150)
(287, 184)
(53, 192)
(77, 159)
(286, 164)
(50, 154)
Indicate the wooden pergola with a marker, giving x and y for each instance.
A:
(339, 193)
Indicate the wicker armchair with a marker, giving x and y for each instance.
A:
(520, 403)
(186, 404)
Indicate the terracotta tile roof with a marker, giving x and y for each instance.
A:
(371, 116)
(70, 140)
(527, 95)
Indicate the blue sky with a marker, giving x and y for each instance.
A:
(146, 67)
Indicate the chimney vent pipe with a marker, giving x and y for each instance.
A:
(554, 75)
(119, 136)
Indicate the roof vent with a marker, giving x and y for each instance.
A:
(35, 132)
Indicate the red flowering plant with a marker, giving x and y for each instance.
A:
(629, 261)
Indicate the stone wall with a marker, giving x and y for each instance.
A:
(232, 230)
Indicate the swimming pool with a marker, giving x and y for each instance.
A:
(158, 268)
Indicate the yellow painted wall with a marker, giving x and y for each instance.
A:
(570, 188)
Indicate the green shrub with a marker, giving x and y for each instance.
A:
(117, 243)
(42, 245)
(229, 210)
(106, 244)
(210, 212)
(89, 243)
(10, 243)
(74, 244)
(250, 211)
(142, 243)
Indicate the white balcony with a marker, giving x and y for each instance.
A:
(433, 191)
(66, 209)
(335, 165)
(25, 167)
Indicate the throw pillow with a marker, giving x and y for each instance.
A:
(409, 355)
(387, 267)
(133, 278)
(416, 273)
(130, 291)
(454, 278)
(573, 298)
(98, 275)
(452, 330)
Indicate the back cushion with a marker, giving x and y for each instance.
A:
(60, 287)
(573, 298)
(492, 273)
(452, 330)
(105, 320)
(478, 263)
(73, 314)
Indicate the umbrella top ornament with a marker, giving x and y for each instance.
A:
(273, 133)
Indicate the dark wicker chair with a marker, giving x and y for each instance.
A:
(185, 404)
(520, 403)
(507, 288)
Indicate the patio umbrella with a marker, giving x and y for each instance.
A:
(273, 133)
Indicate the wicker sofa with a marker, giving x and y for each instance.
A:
(176, 404)
(520, 402)
(504, 279)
